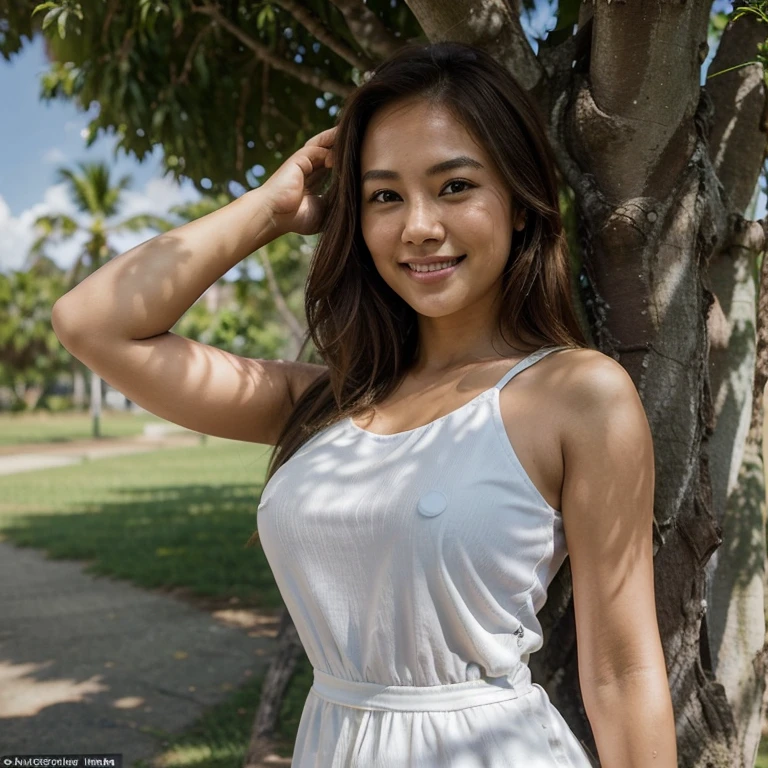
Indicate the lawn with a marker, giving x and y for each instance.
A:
(220, 738)
(173, 518)
(163, 519)
(45, 427)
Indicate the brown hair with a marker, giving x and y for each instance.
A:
(363, 331)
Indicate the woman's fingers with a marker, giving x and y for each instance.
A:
(323, 139)
(313, 162)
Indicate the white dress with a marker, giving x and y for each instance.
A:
(413, 566)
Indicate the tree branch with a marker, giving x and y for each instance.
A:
(738, 128)
(294, 326)
(365, 26)
(745, 234)
(300, 73)
(185, 70)
(324, 35)
(491, 25)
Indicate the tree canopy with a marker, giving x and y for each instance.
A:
(227, 90)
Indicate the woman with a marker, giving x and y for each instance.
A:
(458, 443)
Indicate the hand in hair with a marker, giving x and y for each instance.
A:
(291, 191)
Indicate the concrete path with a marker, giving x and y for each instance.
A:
(26, 458)
(91, 665)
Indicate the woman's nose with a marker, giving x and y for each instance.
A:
(422, 223)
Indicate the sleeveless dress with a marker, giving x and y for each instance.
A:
(413, 566)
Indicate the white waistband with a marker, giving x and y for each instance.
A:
(422, 698)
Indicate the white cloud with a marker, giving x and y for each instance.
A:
(158, 196)
(54, 156)
(17, 232)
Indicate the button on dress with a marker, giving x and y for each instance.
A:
(413, 566)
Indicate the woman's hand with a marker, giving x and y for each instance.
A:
(291, 190)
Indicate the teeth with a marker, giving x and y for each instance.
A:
(433, 267)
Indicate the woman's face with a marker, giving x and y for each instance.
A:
(414, 210)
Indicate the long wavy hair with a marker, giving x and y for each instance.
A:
(363, 331)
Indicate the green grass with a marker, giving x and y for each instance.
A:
(173, 518)
(45, 427)
(762, 755)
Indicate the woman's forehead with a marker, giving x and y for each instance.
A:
(416, 132)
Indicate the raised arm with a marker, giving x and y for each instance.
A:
(117, 320)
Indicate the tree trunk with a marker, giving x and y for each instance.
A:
(289, 651)
(78, 386)
(96, 404)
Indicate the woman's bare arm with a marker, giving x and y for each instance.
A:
(144, 292)
(117, 322)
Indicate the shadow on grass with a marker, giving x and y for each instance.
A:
(189, 536)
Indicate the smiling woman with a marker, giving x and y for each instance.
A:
(459, 443)
(417, 506)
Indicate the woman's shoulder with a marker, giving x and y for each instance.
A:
(592, 377)
(600, 398)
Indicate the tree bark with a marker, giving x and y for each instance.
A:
(631, 128)
(78, 385)
(367, 29)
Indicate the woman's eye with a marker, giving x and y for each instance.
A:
(465, 184)
(381, 192)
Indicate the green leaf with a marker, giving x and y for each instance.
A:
(63, 24)
(50, 17)
(44, 7)
(144, 10)
(158, 118)
(266, 14)
(201, 67)
(138, 97)
(177, 11)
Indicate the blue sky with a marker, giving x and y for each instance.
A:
(38, 136)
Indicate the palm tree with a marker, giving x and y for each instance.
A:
(98, 199)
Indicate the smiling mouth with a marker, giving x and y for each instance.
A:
(437, 266)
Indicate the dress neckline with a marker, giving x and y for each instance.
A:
(376, 436)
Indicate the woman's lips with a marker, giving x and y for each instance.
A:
(435, 275)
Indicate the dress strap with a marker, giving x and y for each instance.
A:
(521, 365)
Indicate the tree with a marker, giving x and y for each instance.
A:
(657, 174)
(98, 201)
(30, 354)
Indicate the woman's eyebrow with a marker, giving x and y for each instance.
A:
(447, 165)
